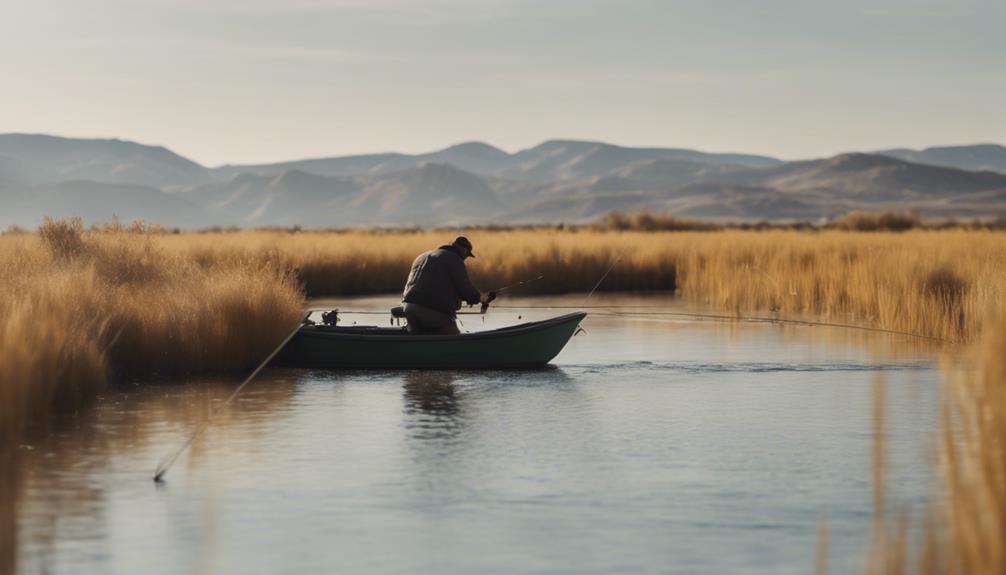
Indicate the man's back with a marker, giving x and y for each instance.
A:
(439, 280)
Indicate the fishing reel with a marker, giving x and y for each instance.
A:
(489, 297)
(330, 318)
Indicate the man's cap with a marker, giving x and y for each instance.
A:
(463, 242)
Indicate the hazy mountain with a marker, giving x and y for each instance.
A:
(342, 166)
(552, 160)
(568, 159)
(474, 157)
(44, 159)
(430, 194)
(97, 202)
(287, 199)
(977, 157)
(797, 190)
(875, 178)
(473, 183)
(12, 172)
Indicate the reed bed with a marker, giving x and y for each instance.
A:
(974, 454)
(938, 284)
(80, 308)
(965, 530)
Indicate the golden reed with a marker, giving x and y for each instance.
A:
(78, 307)
(965, 530)
(81, 304)
(974, 457)
(933, 283)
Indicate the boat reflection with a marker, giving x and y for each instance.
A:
(433, 408)
(431, 392)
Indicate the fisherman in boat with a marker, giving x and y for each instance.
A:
(437, 284)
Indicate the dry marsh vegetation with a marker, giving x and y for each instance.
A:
(80, 307)
(965, 529)
(975, 466)
(933, 283)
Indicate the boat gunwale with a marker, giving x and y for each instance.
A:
(507, 331)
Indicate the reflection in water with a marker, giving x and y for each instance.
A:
(47, 504)
(432, 404)
(10, 480)
(653, 443)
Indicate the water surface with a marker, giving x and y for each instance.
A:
(654, 444)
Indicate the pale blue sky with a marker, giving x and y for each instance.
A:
(263, 80)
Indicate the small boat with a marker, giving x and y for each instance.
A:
(531, 344)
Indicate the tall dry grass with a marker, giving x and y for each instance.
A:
(81, 305)
(965, 531)
(975, 463)
(933, 283)
(78, 307)
(873, 222)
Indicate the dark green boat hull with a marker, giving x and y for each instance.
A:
(526, 345)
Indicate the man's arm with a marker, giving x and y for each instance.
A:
(462, 285)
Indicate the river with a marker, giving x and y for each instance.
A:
(653, 444)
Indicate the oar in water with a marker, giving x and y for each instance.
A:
(167, 462)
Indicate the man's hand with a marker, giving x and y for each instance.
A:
(485, 298)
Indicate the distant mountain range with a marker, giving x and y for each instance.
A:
(475, 183)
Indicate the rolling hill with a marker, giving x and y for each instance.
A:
(806, 190)
(44, 159)
(549, 161)
(991, 157)
(430, 194)
(475, 183)
(98, 202)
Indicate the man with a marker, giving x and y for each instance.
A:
(437, 285)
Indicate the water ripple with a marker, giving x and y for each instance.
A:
(750, 367)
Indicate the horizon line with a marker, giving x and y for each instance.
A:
(485, 143)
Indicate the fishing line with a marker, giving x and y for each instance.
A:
(614, 311)
(611, 267)
(809, 323)
(525, 282)
(166, 463)
(723, 317)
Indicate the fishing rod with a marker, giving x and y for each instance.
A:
(598, 284)
(491, 295)
(167, 462)
(518, 284)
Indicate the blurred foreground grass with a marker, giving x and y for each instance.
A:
(964, 530)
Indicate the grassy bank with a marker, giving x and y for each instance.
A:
(934, 283)
(79, 308)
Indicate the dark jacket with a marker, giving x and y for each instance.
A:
(439, 280)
